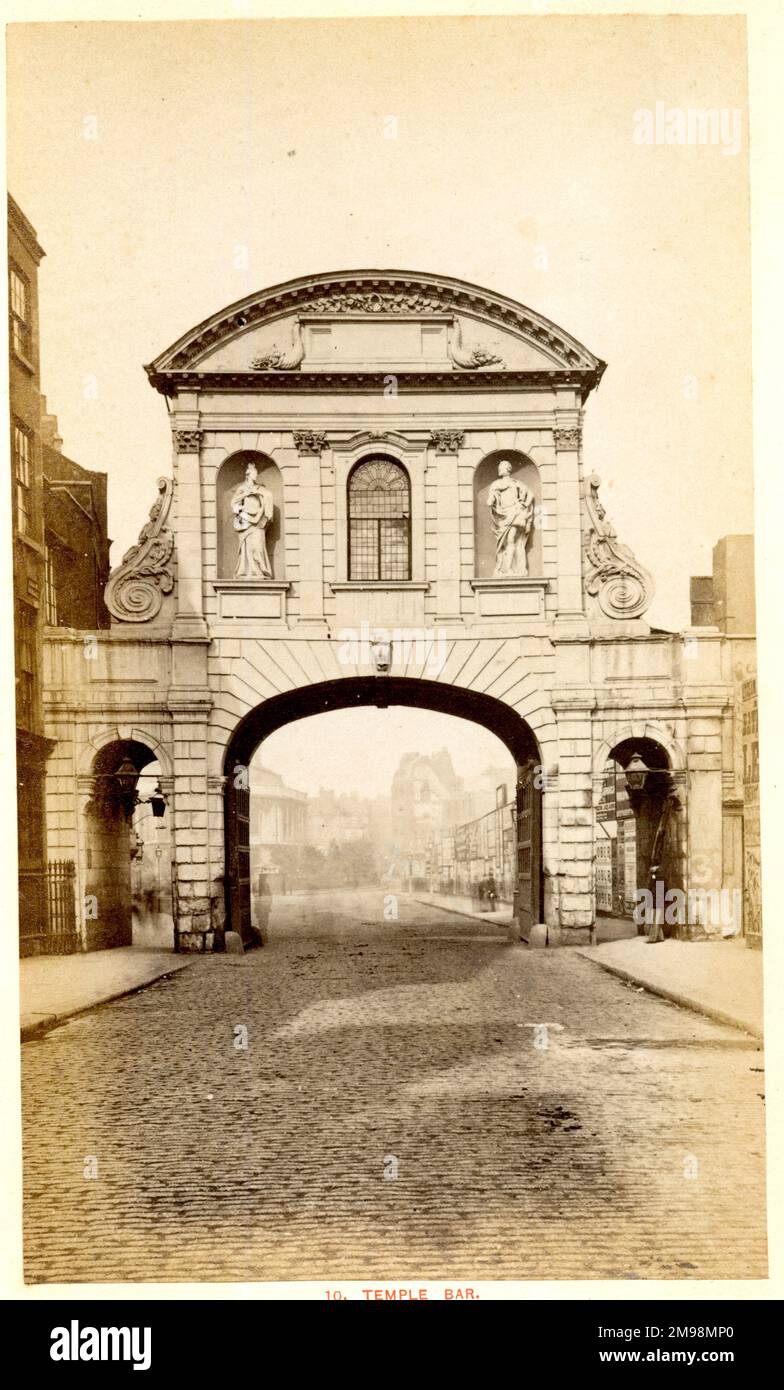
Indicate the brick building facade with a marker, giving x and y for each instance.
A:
(60, 561)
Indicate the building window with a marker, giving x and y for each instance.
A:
(25, 665)
(379, 521)
(23, 447)
(19, 312)
(51, 588)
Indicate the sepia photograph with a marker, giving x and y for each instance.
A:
(382, 548)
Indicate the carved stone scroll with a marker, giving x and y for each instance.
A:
(622, 587)
(134, 591)
(280, 359)
(472, 358)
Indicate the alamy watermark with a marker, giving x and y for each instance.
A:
(706, 907)
(679, 125)
(385, 648)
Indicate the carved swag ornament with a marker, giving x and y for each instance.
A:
(618, 581)
(134, 592)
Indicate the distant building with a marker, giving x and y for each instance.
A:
(493, 787)
(424, 800)
(724, 601)
(725, 598)
(77, 544)
(424, 790)
(476, 850)
(278, 827)
(337, 820)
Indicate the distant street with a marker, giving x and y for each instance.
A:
(398, 1113)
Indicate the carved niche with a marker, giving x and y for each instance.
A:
(249, 518)
(135, 590)
(620, 584)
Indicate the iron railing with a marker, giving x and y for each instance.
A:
(47, 909)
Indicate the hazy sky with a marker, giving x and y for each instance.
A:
(514, 166)
(312, 752)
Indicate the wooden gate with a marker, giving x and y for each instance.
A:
(528, 829)
(238, 908)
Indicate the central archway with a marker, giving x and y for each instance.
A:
(382, 691)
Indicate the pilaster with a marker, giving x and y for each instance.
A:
(566, 435)
(445, 447)
(310, 445)
(189, 620)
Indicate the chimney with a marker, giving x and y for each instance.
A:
(49, 431)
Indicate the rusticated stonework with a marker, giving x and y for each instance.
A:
(135, 590)
(309, 441)
(621, 586)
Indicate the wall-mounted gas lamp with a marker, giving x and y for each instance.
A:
(636, 773)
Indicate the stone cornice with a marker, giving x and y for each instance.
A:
(374, 294)
(170, 382)
(25, 230)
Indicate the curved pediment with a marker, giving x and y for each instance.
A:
(370, 321)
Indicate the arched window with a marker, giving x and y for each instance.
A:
(379, 521)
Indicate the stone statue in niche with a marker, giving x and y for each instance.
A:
(512, 515)
(253, 510)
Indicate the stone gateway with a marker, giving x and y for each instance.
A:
(376, 451)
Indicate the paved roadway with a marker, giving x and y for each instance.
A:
(631, 1146)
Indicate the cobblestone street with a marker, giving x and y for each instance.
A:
(630, 1147)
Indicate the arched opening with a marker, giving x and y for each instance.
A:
(124, 776)
(524, 472)
(152, 915)
(510, 854)
(639, 836)
(379, 520)
(231, 475)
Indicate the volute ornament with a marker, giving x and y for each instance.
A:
(285, 359)
(620, 584)
(472, 358)
(134, 591)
